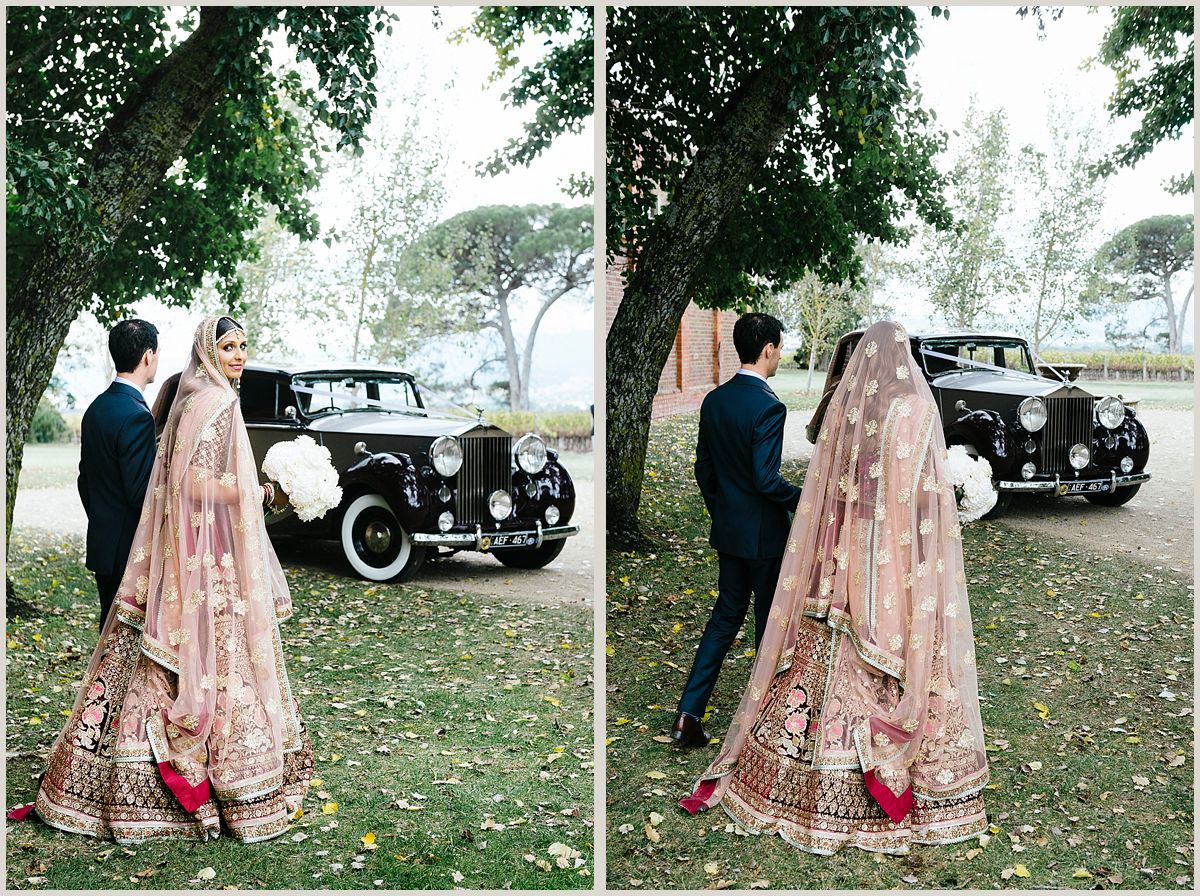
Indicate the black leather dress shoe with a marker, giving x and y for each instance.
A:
(688, 732)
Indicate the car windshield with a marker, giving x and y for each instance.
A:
(1006, 354)
(327, 395)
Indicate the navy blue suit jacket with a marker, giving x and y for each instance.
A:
(738, 453)
(116, 455)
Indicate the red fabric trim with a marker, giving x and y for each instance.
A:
(895, 806)
(191, 798)
(20, 813)
(695, 802)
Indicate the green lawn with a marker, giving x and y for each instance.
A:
(53, 465)
(457, 729)
(1148, 393)
(1094, 791)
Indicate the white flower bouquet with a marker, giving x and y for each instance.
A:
(972, 479)
(305, 472)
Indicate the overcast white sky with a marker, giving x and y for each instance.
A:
(474, 121)
(994, 54)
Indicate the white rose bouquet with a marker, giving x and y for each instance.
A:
(305, 472)
(972, 479)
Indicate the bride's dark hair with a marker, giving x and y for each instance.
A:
(225, 324)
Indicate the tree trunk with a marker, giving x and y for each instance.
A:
(668, 269)
(131, 156)
(511, 354)
(362, 295)
(527, 355)
(1174, 343)
(812, 362)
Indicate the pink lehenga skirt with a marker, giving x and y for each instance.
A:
(91, 786)
(780, 786)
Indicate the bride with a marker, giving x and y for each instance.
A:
(186, 721)
(860, 724)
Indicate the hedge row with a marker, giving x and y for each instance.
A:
(1131, 362)
(553, 424)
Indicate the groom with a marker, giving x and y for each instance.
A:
(116, 455)
(738, 454)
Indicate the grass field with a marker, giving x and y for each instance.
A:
(1094, 791)
(456, 729)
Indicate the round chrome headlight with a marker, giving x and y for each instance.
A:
(446, 454)
(500, 504)
(1126, 464)
(552, 515)
(444, 494)
(1032, 413)
(531, 488)
(1079, 456)
(1030, 446)
(1028, 471)
(531, 454)
(1110, 412)
(445, 521)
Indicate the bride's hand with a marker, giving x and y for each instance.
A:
(281, 498)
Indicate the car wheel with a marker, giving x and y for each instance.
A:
(375, 544)
(1114, 499)
(531, 558)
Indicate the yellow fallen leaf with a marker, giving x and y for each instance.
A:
(1082, 874)
(711, 868)
(655, 776)
(335, 757)
(368, 840)
(1021, 871)
(316, 782)
(652, 835)
(553, 701)
(608, 651)
(329, 808)
(298, 814)
(622, 721)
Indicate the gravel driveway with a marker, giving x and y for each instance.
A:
(567, 581)
(1155, 527)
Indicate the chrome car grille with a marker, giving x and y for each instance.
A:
(487, 466)
(1068, 422)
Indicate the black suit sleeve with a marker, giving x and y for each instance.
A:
(82, 485)
(706, 476)
(768, 455)
(135, 457)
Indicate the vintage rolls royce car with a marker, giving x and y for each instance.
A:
(1041, 433)
(420, 477)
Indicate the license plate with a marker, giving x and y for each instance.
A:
(513, 540)
(1080, 488)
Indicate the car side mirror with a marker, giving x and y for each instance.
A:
(360, 448)
(290, 412)
(960, 405)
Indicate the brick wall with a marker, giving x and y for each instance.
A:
(702, 356)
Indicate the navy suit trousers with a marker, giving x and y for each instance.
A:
(738, 579)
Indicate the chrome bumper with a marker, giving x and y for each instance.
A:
(1074, 486)
(487, 541)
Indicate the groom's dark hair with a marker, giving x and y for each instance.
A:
(129, 340)
(751, 334)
